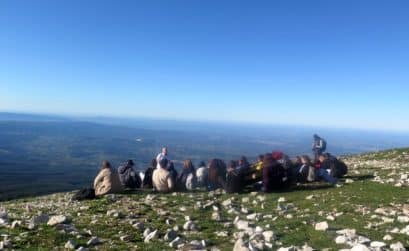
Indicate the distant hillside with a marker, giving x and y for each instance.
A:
(370, 211)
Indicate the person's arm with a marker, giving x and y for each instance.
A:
(171, 183)
(98, 179)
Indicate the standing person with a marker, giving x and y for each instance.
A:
(107, 180)
(319, 146)
(162, 155)
(162, 180)
(128, 177)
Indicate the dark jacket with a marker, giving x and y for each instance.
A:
(128, 177)
(274, 175)
(147, 180)
(182, 178)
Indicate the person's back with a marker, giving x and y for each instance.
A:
(187, 178)
(107, 181)
(217, 174)
(273, 174)
(162, 179)
(201, 175)
(234, 179)
(147, 180)
(128, 177)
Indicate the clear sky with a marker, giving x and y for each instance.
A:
(338, 63)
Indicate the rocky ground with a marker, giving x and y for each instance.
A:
(370, 211)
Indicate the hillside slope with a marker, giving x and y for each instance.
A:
(369, 212)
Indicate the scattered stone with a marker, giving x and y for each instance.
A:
(70, 245)
(321, 226)
(239, 245)
(57, 219)
(360, 247)
(387, 237)
(189, 226)
(378, 244)
(93, 241)
(151, 236)
(176, 242)
(125, 238)
(281, 199)
(170, 235)
(269, 236)
(398, 246)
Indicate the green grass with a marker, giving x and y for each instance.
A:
(357, 201)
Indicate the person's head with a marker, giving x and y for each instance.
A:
(277, 155)
(306, 160)
(163, 163)
(129, 162)
(268, 160)
(171, 165)
(154, 163)
(165, 151)
(243, 161)
(105, 164)
(297, 160)
(322, 157)
(187, 164)
(315, 136)
(202, 163)
(232, 164)
(260, 158)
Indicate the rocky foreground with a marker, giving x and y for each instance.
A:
(370, 211)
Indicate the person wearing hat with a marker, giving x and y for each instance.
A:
(128, 177)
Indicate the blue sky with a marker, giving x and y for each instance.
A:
(325, 63)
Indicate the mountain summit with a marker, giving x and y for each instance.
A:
(370, 211)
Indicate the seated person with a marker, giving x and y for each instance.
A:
(187, 177)
(128, 177)
(234, 178)
(107, 180)
(217, 174)
(201, 175)
(147, 179)
(335, 167)
(162, 179)
(274, 175)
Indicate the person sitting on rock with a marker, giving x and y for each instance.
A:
(162, 179)
(128, 177)
(186, 180)
(147, 180)
(274, 175)
(217, 174)
(107, 180)
(201, 175)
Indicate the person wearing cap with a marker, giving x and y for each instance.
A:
(128, 177)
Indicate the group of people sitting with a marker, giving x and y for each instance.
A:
(271, 172)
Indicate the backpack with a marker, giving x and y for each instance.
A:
(84, 194)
